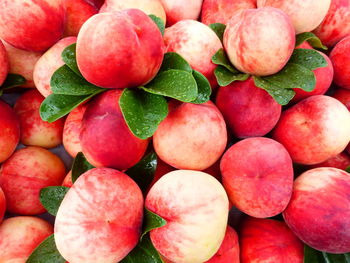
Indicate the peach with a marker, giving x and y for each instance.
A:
(150, 7)
(249, 111)
(196, 43)
(340, 161)
(22, 62)
(2, 204)
(324, 78)
(259, 41)
(177, 10)
(35, 131)
(267, 240)
(100, 218)
(4, 63)
(257, 174)
(196, 216)
(192, 136)
(20, 235)
(306, 15)
(221, 11)
(318, 212)
(120, 49)
(9, 131)
(229, 249)
(162, 169)
(67, 182)
(77, 12)
(336, 24)
(105, 137)
(24, 174)
(30, 24)
(340, 58)
(71, 130)
(314, 129)
(343, 95)
(48, 63)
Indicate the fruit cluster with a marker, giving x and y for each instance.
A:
(195, 131)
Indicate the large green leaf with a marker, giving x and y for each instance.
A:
(311, 38)
(225, 77)
(46, 252)
(69, 57)
(51, 198)
(219, 29)
(173, 60)
(204, 88)
(80, 166)
(142, 111)
(151, 221)
(144, 252)
(313, 256)
(308, 58)
(11, 81)
(159, 22)
(177, 84)
(143, 172)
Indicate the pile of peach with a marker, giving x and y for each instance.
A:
(239, 178)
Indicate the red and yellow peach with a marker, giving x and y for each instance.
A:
(259, 41)
(94, 222)
(4, 63)
(24, 174)
(340, 57)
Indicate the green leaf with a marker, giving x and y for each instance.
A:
(281, 95)
(173, 83)
(11, 81)
(308, 58)
(56, 106)
(151, 221)
(348, 169)
(65, 82)
(204, 88)
(80, 166)
(159, 22)
(46, 252)
(220, 58)
(51, 198)
(69, 57)
(313, 256)
(173, 60)
(144, 252)
(311, 38)
(142, 111)
(225, 77)
(143, 172)
(219, 29)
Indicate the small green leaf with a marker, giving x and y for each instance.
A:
(51, 198)
(348, 169)
(311, 38)
(69, 57)
(46, 252)
(11, 81)
(308, 58)
(204, 88)
(159, 22)
(173, 83)
(281, 95)
(313, 256)
(219, 29)
(220, 58)
(56, 106)
(173, 60)
(65, 82)
(225, 77)
(143, 172)
(80, 166)
(144, 252)
(142, 111)
(151, 221)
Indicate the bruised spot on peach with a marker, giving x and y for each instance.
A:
(24, 174)
(319, 209)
